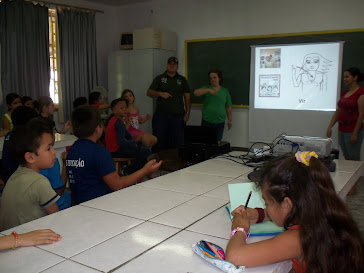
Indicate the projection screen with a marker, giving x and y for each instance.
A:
(293, 89)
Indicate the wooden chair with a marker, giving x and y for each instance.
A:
(120, 162)
(171, 161)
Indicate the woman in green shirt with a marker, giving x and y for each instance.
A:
(216, 103)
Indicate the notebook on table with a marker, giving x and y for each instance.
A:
(238, 195)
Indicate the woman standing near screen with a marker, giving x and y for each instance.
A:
(216, 103)
(350, 114)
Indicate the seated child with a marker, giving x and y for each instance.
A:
(13, 101)
(90, 167)
(320, 236)
(135, 119)
(32, 238)
(57, 178)
(79, 101)
(28, 195)
(21, 116)
(58, 182)
(120, 143)
(46, 108)
(96, 100)
(3, 132)
(27, 101)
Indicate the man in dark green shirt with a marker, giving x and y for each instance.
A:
(172, 107)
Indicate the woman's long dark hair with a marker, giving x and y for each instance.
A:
(330, 238)
(354, 71)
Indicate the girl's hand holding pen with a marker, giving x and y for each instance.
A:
(240, 220)
(251, 213)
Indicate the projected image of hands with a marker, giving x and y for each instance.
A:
(311, 76)
(270, 58)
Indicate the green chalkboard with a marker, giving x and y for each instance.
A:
(232, 57)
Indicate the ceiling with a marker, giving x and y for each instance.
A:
(117, 2)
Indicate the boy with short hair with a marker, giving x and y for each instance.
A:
(90, 167)
(21, 116)
(56, 177)
(80, 101)
(28, 195)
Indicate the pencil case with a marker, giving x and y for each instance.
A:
(205, 253)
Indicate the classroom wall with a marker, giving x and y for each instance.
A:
(193, 19)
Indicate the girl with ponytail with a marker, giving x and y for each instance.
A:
(321, 235)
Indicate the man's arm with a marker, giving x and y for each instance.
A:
(187, 99)
(155, 94)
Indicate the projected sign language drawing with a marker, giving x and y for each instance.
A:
(312, 75)
(269, 85)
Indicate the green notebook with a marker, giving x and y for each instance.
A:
(238, 195)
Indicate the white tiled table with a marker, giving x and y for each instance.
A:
(149, 227)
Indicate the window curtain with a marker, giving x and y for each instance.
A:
(77, 43)
(24, 40)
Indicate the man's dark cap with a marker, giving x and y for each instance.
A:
(172, 59)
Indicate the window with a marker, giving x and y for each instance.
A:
(53, 43)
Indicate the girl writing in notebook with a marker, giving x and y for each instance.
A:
(135, 119)
(320, 236)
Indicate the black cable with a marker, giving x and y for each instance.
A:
(248, 160)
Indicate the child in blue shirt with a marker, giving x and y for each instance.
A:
(90, 167)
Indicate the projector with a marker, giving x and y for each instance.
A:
(322, 146)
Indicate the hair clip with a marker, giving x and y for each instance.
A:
(304, 157)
